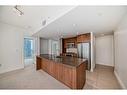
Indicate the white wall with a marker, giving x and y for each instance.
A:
(44, 46)
(11, 48)
(50, 46)
(60, 45)
(104, 50)
(120, 38)
(37, 46)
(55, 51)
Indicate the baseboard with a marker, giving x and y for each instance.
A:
(119, 80)
(12, 70)
(104, 64)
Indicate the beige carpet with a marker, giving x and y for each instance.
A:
(29, 78)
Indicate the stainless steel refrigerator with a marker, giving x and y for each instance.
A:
(84, 52)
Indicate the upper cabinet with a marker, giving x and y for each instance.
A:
(73, 41)
(83, 38)
(69, 43)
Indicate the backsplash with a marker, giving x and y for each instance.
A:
(72, 50)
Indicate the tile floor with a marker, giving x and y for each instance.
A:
(28, 78)
(102, 78)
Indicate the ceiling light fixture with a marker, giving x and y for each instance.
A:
(74, 25)
(19, 12)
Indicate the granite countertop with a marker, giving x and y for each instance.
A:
(67, 60)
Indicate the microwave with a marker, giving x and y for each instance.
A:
(70, 45)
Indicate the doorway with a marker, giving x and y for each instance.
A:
(55, 48)
(28, 51)
(104, 50)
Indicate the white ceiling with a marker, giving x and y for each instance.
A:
(83, 19)
(64, 21)
(33, 16)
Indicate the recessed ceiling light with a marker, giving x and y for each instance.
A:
(74, 24)
(100, 14)
(29, 27)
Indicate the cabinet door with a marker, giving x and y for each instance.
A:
(52, 68)
(79, 39)
(86, 37)
(44, 64)
(59, 71)
(48, 66)
(83, 38)
(67, 76)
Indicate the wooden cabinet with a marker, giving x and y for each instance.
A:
(83, 38)
(44, 65)
(67, 41)
(47, 66)
(73, 77)
(78, 39)
(69, 76)
(80, 80)
(51, 68)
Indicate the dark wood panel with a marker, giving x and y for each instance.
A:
(81, 76)
(67, 73)
(83, 38)
(68, 40)
(38, 63)
(44, 64)
(63, 47)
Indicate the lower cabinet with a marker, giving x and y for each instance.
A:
(69, 76)
(66, 74)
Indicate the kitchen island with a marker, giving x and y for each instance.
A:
(69, 70)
